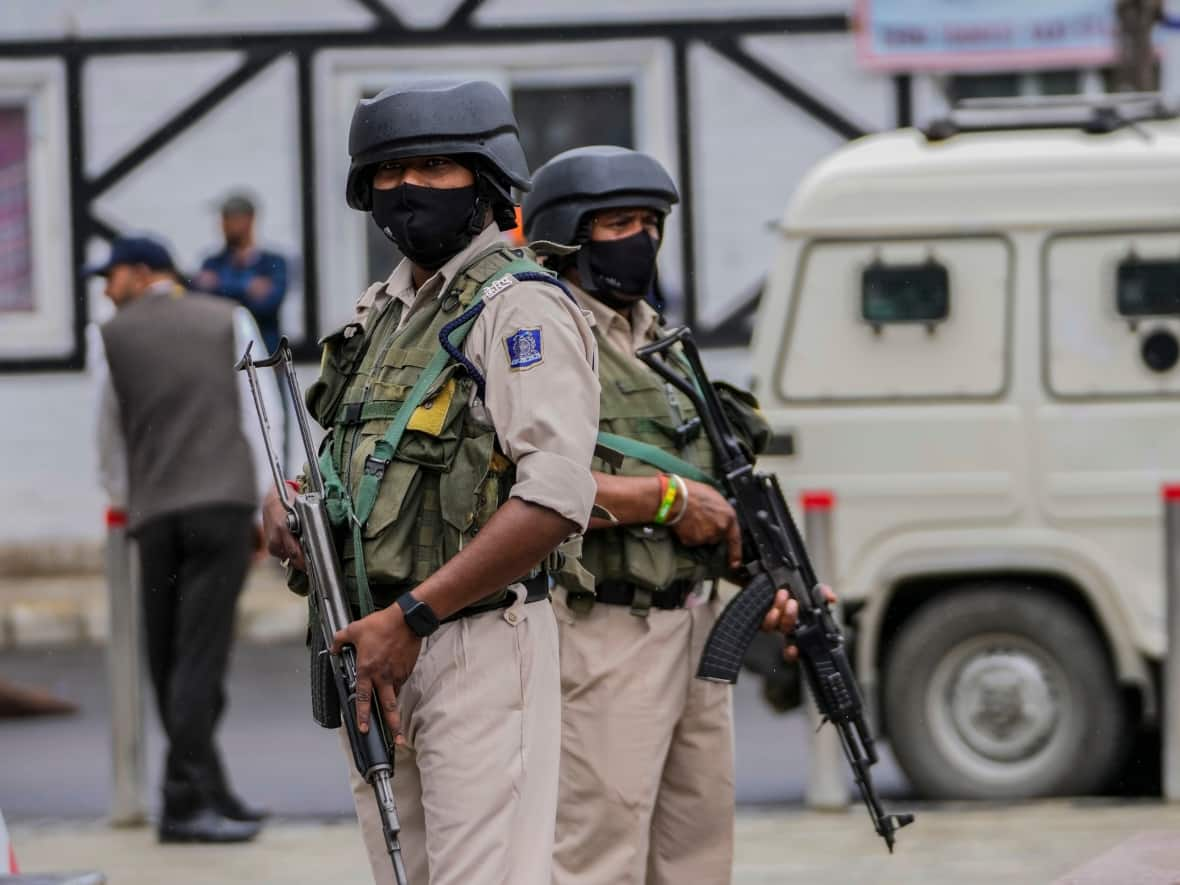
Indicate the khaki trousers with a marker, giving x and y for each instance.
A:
(476, 785)
(647, 779)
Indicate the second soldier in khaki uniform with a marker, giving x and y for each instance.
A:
(647, 774)
(457, 518)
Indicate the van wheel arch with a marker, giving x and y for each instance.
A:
(909, 595)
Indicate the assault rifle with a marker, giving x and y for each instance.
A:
(307, 518)
(774, 557)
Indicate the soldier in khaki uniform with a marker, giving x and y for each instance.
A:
(647, 776)
(450, 523)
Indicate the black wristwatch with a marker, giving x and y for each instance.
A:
(419, 616)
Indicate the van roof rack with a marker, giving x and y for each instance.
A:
(1095, 114)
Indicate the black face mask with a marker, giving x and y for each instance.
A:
(620, 271)
(430, 225)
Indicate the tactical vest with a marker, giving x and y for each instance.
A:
(638, 405)
(445, 476)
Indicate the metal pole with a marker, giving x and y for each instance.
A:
(1171, 736)
(827, 789)
(125, 674)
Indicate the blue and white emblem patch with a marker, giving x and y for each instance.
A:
(524, 348)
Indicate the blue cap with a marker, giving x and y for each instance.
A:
(134, 250)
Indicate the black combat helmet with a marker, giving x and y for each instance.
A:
(447, 119)
(588, 179)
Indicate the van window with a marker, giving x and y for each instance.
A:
(1111, 301)
(1148, 288)
(907, 293)
(898, 320)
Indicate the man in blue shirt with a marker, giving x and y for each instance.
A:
(253, 277)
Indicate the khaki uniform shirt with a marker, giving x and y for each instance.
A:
(624, 334)
(546, 414)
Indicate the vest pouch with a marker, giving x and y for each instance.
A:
(641, 397)
(649, 555)
(743, 412)
(390, 536)
(432, 437)
(342, 352)
(469, 492)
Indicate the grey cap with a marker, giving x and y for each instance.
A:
(588, 179)
(445, 119)
(237, 204)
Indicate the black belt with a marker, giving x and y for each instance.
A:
(537, 588)
(623, 593)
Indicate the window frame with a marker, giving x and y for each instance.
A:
(1132, 260)
(789, 328)
(342, 76)
(1046, 343)
(47, 332)
(879, 326)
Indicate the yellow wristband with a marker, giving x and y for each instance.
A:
(666, 502)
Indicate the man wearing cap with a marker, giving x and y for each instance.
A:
(242, 272)
(647, 780)
(180, 445)
(462, 408)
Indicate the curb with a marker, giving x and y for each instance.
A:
(47, 614)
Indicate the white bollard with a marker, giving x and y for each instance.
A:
(1171, 690)
(125, 672)
(827, 788)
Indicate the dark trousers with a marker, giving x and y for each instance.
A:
(192, 566)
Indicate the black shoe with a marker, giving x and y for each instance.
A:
(206, 825)
(235, 809)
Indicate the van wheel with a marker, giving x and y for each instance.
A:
(999, 692)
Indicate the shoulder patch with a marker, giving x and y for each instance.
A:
(491, 291)
(524, 348)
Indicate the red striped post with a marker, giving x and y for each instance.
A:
(125, 666)
(826, 786)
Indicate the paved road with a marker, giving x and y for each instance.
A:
(59, 768)
(977, 844)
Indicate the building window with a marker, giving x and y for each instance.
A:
(556, 118)
(1011, 84)
(16, 254)
(552, 119)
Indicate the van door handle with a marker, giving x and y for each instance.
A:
(782, 442)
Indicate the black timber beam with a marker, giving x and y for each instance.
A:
(181, 121)
(382, 13)
(397, 37)
(463, 13)
(728, 48)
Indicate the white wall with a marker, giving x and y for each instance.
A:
(750, 149)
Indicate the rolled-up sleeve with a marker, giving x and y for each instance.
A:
(539, 359)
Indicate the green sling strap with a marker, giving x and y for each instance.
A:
(653, 455)
(341, 508)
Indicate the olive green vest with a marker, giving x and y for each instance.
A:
(446, 477)
(637, 404)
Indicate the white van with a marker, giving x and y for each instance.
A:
(971, 339)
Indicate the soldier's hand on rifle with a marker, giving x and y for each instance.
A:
(709, 519)
(786, 610)
(279, 541)
(386, 652)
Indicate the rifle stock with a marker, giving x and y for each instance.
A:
(775, 556)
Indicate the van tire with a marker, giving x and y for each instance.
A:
(1002, 692)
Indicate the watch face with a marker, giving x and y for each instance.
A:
(419, 617)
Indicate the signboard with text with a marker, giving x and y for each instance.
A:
(910, 35)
